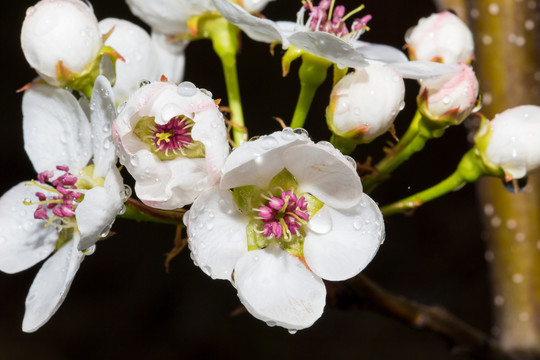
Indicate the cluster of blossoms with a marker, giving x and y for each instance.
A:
(275, 216)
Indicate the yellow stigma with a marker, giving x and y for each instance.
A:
(163, 137)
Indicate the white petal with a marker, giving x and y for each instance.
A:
(325, 173)
(171, 56)
(51, 285)
(99, 208)
(257, 162)
(141, 59)
(277, 288)
(256, 28)
(349, 246)
(56, 130)
(217, 233)
(255, 5)
(378, 53)
(24, 241)
(102, 114)
(328, 46)
(424, 69)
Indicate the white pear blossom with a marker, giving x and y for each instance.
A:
(173, 141)
(512, 141)
(296, 215)
(328, 38)
(441, 37)
(76, 197)
(364, 103)
(60, 33)
(141, 61)
(449, 98)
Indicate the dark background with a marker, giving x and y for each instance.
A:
(122, 304)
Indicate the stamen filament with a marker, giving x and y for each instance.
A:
(358, 9)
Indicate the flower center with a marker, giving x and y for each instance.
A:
(174, 135)
(283, 216)
(61, 199)
(170, 140)
(62, 195)
(324, 17)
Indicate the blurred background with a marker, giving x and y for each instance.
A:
(123, 304)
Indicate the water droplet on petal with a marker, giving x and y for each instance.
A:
(186, 88)
(253, 138)
(302, 132)
(143, 83)
(134, 160)
(321, 222)
(268, 142)
(122, 210)
(515, 186)
(287, 134)
(271, 323)
(292, 331)
(90, 250)
(351, 161)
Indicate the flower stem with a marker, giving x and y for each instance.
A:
(469, 169)
(224, 38)
(414, 140)
(312, 74)
(136, 210)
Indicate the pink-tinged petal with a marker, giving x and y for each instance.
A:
(258, 29)
(350, 244)
(325, 173)
(51, 285)
(56, 130)
(378, 53)
(277, 288)
(99, 208)
(257, 162)
(328, 46)
(216, 233)
(424, 69)
(102, 114)
(24, 240)
(171, 56)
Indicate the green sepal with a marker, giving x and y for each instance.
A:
(65, 236)
(290, 55)
(482, 139)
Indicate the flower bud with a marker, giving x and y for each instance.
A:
(441, 37)
(448, 99)
(364, 104)
(136, 47)
(510, 141)
(61, 33)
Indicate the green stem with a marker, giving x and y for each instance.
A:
(412, 142)
(312, 74)
(224, 38)
(469, 170)
(136, 210)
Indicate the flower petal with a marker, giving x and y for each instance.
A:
(141, 59)
(171, 56)
(256, 28)
(325, 173)
(424, 69)
(216, 233)
(99, 208)
(328, 46)
(102, 114)
(257, 162)
(24, 241)
(380, 54)
(51, 285)
(277, 288)
(56, 130)
(351, 243)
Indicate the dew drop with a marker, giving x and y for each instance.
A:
(127, 192)
(90, 250)
(271, 323)
(143, 83)
(122, 106)
(351, 161)
(122, 210)
(302, 132)
(321, 222)
(293, 331)
(325, 144)
(209, 226)
(134, 160)
(401, 105)
(30, 11)
(515, 186)
(287, 134)
(186, 88)
(254, 138)
(446, 100)
(357, 223)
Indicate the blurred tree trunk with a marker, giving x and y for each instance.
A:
(508, 67)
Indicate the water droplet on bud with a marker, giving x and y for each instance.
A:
(186, 88)
(515, 186)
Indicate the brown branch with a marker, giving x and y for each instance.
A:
(360, 292)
